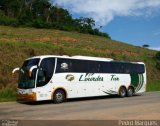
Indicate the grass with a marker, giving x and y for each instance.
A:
(8, 94)
(17, 44)
(153, 86)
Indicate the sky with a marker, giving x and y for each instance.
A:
(136, 22)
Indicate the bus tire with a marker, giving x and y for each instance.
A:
(130, 92)
(59, 96)
(122, 92)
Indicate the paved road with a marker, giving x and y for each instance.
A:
(145, 106)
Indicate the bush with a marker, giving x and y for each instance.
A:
(8, 94)
(158, 55)
(39, 23)
(158, 65)
(4, 20)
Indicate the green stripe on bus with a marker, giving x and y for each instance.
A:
(136, 90)
(141, 84)
(134, 80)
(110, 92)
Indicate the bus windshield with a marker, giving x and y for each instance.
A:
(26, 82)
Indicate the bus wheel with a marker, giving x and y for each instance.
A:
(59, 96)
(122, 92)
(130, 91)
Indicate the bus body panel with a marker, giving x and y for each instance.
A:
(83, 84)
(76, 88)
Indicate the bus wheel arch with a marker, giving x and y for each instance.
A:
(122, 91)
(59, 95)
(130, 91)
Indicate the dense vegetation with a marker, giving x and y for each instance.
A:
(17, 44)
(44, 14)
(157, 56)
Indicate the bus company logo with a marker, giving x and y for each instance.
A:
(70, 77)
(114, 78)
(90, 77)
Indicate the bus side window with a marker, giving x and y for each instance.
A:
(140, 68)
(104, 67)
(63, 65)
(126, 68)
(134, 69)
(93, 67)
(79, 66)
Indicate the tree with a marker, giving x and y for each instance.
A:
(145, 46)
(157, 56)
(43, 14)
(41, 9)
(60, 15)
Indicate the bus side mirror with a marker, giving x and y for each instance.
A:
(31, 69)
(14, 70)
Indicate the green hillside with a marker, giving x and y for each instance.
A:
(17, 44)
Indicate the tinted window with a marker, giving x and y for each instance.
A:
(116, 67)
(26, 82)
(93, 67)
(111, 67)
(30, 63)
(139, 68)
(79, 66)
(45, 71)
(105, 67)
(63, 65)
(86, 66)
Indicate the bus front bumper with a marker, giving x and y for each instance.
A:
(26, 97)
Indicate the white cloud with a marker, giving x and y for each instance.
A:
(155, 48)
(156, 33)
(104, 11)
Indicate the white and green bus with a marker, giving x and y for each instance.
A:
(59, 78)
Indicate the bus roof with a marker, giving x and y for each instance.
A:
(92, 58)
(122, 61)
(74, 57)
(83, 58)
